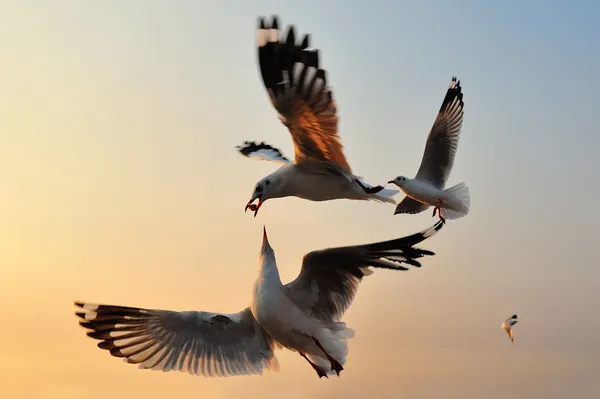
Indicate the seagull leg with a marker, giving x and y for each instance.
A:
(369, 190)
(438, 209)
(335, 365)
(319, 371)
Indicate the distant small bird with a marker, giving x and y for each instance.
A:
(427, 188)
(507, 326)
(298, 90)
(303, 316)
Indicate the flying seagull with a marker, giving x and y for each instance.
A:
(298, 90)
(427, 188)
(303, 316)
(507, 326)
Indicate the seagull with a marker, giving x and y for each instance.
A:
(302, 316)
(298, 90)
(427, 188)
(507, 326)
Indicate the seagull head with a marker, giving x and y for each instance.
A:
(266, 188)
(399, 181)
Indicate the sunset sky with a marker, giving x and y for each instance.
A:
(120, 184)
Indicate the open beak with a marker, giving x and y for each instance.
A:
(254, 207)
(391, 182)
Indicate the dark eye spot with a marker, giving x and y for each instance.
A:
(259, 189)
(268, 182)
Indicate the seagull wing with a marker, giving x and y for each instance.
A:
(410, 206)
(510, 334)
(262, 151)
(442, 141)
(298, 90)
(329, 278)
(200, 343)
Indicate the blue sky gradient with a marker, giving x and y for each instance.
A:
(121, 185)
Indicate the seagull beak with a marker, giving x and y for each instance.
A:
(391, 182)
(254, 207)
(265, 240)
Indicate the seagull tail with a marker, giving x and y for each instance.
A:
(333, 336)
(458, 203)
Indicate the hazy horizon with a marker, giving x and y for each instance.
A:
(121, 185)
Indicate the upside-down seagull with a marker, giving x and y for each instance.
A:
(427, 188)
(507, 326)
(303, 316)
(298, 90)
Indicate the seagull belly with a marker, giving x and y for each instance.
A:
(284, 321)
(321, 187)
(423, 192)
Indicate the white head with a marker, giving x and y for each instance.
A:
(267, 187)
(399, 181)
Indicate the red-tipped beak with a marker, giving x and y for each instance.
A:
(254, 207)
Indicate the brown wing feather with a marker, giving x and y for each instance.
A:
(298, 91)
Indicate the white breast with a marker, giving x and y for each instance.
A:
(423, 192)
(278, 315)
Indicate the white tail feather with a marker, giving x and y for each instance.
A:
(458, 203)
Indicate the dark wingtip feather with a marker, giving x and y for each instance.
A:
(275, 22)
(413, 262)
(291, 37)
(116, 352)
(250, 147)
(108, 345)
(514, 316)
(98, 334)
(79, 304)
(86, 324)
(276, 59)
(305, 42)
(452, 93)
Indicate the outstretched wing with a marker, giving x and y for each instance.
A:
(442, 142)
(263, 152)
(329, 278)
(410, 206)
(298, 90)
(200, 343)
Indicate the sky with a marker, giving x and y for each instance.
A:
(120, 184)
